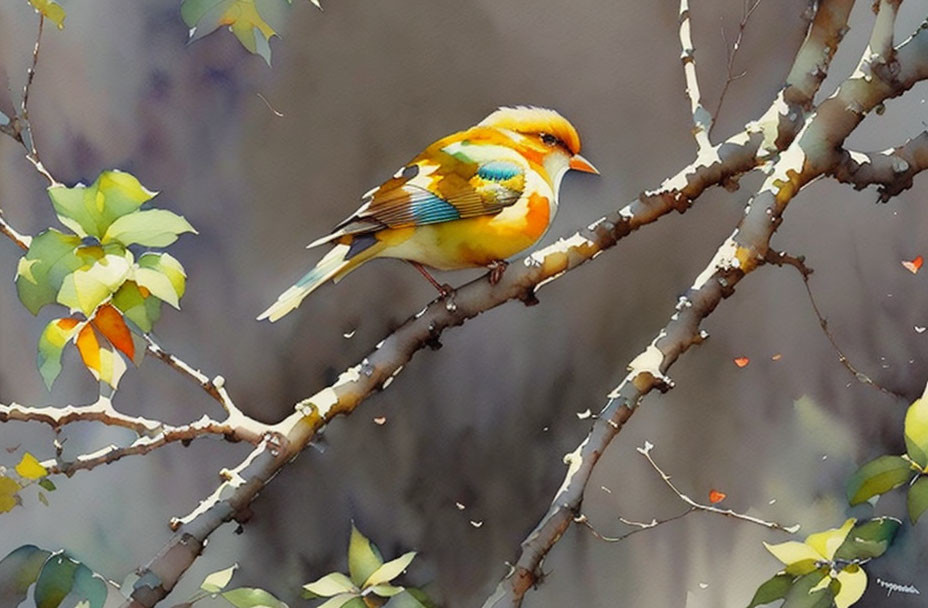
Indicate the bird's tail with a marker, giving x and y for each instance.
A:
(333, 266)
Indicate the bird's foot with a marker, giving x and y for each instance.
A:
(444, 290)
(497, 268)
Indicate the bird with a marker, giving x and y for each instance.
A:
(472, 199)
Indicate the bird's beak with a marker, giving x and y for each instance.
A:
(578, 163)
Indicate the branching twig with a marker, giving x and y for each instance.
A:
(215, 388)
(783, 259)
(747, 10)
(702, 119)
(693, 507)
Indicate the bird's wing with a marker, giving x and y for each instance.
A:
(444, 184)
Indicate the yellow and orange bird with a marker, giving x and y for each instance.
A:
(472, 199)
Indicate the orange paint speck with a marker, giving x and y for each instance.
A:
(741, 361)
(913, 265)
(716, 497)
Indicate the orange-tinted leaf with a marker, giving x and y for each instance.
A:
(113, 326)
(68, 323)
(913, 265)
(89, 348)
(741, 361)
(716, 496)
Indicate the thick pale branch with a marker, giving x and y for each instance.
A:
(892, 170)
(205, 427)
(702, 119)
(812, 154)
(102, 411)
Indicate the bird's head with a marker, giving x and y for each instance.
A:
(547, 137)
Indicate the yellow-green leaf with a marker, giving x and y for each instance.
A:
(916, 432)
(85, 289)
(853, 584)
(331, 585)
(363, 557)
(338, 601)
(30, 468)
(167, 265)
(51, 344)
(390, 570)
(216, 582)
(151, 228)
(51, 257)
(252, 597)
(51, 10)
(827, 542)
(792, 552)
(89, 210)
(241, 16)
(138, 305)
(8, 493)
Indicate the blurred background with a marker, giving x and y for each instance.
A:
(485, 421)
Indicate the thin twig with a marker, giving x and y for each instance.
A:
(783, 259)
(693, 507)
(215, 388)
(32, 153)
(22, 241)
(747, 10)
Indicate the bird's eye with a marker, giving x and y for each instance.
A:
(548, 139)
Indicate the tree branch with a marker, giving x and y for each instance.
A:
(812, 154)
(892, 170)
(702, 119)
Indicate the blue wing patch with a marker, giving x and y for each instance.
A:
(433, 209)
(499, 170)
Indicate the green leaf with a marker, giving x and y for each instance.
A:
(241, 16)
(55, 581)
(89, 210)
(344, 600)
(916, 432)
(250, 597)
(167, 265)
(51, 10)
(869, 539)
(47, 484)
(385, 590)
(409, 598)
(83, 290)
(50, 258)
(330, 585)
(150, 228)
(802, 596)
(216, 582)
(390, 570)
(9, 489)
(30, 468)
(51, 344)
(18, 570)
(772, 589)
(142, 309)
(878, 477)
(918, 499)
(363, 557)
